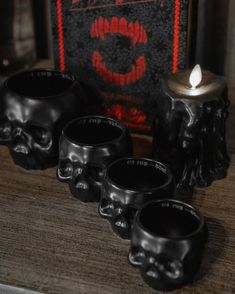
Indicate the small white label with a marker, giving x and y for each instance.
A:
(112, 123)
(177, 206)
(165, 204)
(161, 168)
(142, 163)
(95, 120)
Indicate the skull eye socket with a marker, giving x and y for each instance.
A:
(106, 208)
(65, 170)
(40, 135)
(137, 256)
(5, 130)
(95, 172)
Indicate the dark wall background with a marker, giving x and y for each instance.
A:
(42, 22)
(212, 34)
(230, 52)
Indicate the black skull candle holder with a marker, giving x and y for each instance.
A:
(189, 131)
(34, 107)
(128, 184)
(167, 244)
(87, 146)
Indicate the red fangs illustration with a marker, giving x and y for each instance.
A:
(119, 79)
(101, 28)
(133, 117)
(134, 30)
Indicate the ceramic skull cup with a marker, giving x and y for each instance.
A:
(34, 107)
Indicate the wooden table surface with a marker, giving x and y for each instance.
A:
(52, 243)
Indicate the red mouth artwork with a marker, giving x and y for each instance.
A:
(134, 30)
(128, 114)
(103, 27)
(133, 117)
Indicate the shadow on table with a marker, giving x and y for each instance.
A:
(230, 131)
(218, 238)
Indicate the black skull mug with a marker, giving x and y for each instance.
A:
(87, 146)
(35, 105)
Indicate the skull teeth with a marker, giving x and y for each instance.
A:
(21, 149)
(152, 272)
(82, 186)
(121, 223)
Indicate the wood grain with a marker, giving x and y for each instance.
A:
(52, 243)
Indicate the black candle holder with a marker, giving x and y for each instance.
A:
(167, 243)
(34, 107)
(87, 146)
(128, 184)
(189, 130)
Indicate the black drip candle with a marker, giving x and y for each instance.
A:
(189, 130)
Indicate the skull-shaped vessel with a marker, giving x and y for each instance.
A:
(34, 107)
(128, 184)
(167, 243)
(87, 146)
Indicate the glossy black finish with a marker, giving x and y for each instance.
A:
(128, 184)
(87, 146)
(34, 107)
(167, 244)
(189, 130)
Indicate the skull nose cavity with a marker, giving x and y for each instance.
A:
(151, 260)
(79, 179)
(17, 131)
(118, 210)
(78, 171)
(159, 266)
(21, 141)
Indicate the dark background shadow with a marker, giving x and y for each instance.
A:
(212, 34)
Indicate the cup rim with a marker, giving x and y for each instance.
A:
(150, 190)
(179, 202)
(51, 70)
(119, 123)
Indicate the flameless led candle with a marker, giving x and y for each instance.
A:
(194, 83)
(189, 131)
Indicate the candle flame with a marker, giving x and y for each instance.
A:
(195, 76)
